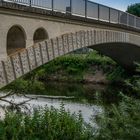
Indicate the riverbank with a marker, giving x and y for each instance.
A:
(120, 121)
(87, 68)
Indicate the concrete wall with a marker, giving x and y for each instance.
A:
(30, 19)
(30, 25)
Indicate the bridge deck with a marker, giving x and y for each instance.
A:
(76, 9)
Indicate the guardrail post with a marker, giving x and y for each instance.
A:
(86, 8)
(118, 17)
(98, 12)
(127, 19)
(52, 5)
(71, 6)
(109, 16)
(30, 3)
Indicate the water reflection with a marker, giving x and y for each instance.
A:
(89, 93)
(90, 99)
(87, 110)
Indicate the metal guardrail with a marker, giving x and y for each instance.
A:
(84, 8)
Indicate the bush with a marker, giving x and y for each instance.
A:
(134, 9)
(121, 122)
(44, 124)
(22, 86)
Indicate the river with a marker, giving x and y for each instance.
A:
(89, 99)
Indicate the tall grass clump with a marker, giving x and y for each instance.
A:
(120, 122)
(118, 74)
(44, 124)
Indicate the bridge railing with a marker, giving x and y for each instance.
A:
(85, 8)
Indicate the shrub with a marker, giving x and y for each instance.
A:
(44, 124)
(121, 122)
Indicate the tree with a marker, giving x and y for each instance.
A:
(134, 9)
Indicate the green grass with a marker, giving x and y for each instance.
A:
(69, 68)
(121, 122)
(44, 124)
(78, 63)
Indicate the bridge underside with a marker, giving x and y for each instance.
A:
(124, 54)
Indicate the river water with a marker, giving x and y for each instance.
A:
(89, 99)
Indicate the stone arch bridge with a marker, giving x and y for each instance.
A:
(31, 37)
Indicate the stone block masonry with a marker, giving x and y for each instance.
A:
(28, 59)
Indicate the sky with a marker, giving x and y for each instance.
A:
(117, 4)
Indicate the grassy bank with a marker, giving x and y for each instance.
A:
(78, 68)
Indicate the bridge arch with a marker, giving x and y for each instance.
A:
(16, 39)
(123, 53)
(120, 46)
(40, 34)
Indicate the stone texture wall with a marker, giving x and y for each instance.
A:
(20, 63)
